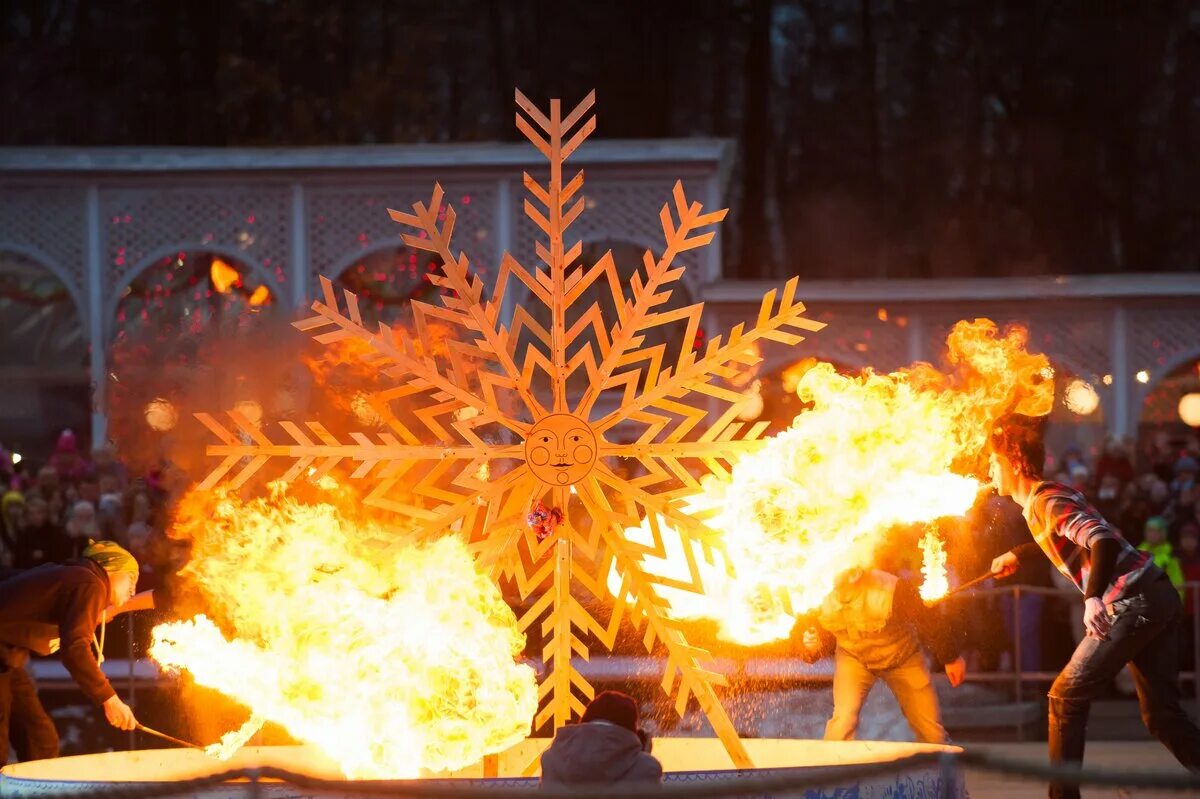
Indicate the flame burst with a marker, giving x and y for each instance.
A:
(933, 567)
(874, 452)
(393, 658)
(233, 740)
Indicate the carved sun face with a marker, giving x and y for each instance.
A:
(560, 449)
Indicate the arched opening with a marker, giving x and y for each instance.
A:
(43, 358)
(188, 294)
(181, 333)
(387, 281)
(1169, 420)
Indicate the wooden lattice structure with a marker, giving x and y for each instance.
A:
(480, 424)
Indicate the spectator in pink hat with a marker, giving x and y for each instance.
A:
(66, 460)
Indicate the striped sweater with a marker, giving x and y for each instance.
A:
(1065, 527)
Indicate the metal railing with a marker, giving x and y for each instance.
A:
(767, 669)
(1019, 678)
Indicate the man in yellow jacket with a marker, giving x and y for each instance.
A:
(875, 624)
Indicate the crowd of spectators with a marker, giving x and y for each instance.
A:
(51, 510)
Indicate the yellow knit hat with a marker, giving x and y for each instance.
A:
(111, 557)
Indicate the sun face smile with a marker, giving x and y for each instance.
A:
(561, 449)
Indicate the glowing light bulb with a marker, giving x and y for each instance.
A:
(1080, 398)
(1189, 409)
(161, 414)
(251, 410)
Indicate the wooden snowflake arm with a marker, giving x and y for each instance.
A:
(725, 449)
(317, 449)
(726, 439)
(465, 296)
(694, 374)
(650, 293)
(562, 611)
(415, 365)
(669, 507)
(684, 676)
(552, 135)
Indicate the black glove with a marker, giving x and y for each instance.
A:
(647, 741)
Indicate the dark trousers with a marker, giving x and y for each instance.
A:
(23, 721)
(1146, 631)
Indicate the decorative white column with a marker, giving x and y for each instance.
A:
(711, 255)
(93, 258)
(299, 248)
(504, 224)
(1120, 420)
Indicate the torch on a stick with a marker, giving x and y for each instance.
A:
(961, 588)
(170, 738)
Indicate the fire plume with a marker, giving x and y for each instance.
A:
(936, 582)
(233, 740)
(393, 658)
(874, 452)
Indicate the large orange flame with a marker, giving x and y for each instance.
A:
(936, 582)
(393, 658)
(874, 452)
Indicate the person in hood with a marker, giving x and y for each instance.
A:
(58, 606)
(606, 746)
(1132, 613)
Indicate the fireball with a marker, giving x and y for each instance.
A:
(394, 658)
(875, 453)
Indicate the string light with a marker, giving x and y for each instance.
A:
(249, 409)
(161, 415)
(1189, 409)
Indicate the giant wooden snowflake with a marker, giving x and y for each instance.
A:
(503, 413)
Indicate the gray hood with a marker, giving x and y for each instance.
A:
(597, 752)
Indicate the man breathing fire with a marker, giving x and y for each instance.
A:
(60, 605)
(1131, 611)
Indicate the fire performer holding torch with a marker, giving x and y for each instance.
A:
(53, 603)
(875, 623)
(1132, 613)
